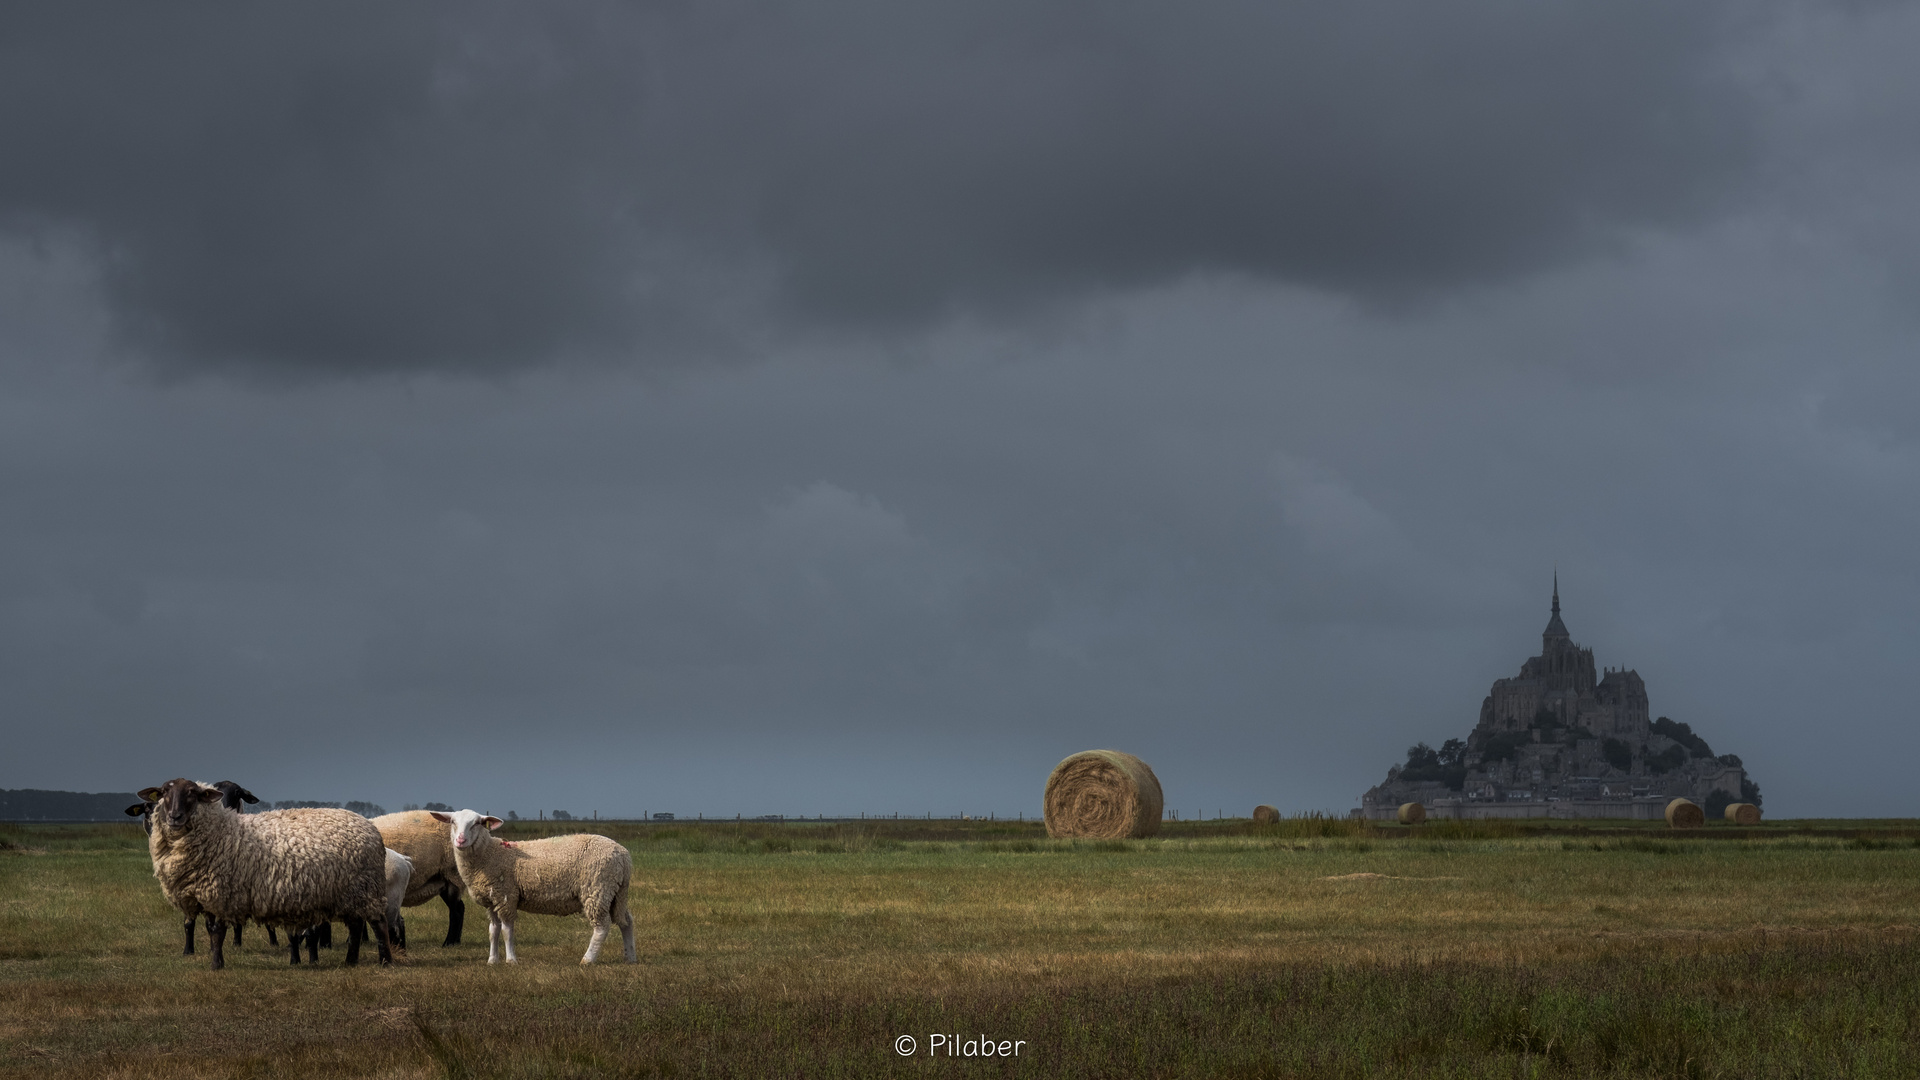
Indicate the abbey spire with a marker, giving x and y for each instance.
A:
(1556, 630)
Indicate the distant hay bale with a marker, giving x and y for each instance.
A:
(1103, 795)
(1265, 815)
(1412, 813)
(1743, 813)
(1683, 814)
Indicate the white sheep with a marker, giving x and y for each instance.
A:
(399, 873)
(559, 875)
(415, 834)
(290, 868)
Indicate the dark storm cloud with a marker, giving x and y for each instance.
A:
(1261, 534)
(371, 186)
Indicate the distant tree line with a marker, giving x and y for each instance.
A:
(34, 804)
(364, 809)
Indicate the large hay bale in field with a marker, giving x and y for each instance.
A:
(1103, 795)
(1743, 813)
(1265, 815)
(1412, 813)
(1683, 814)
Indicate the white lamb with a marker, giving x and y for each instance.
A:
(560, 875)
(399, 873)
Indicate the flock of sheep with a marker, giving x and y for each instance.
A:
(301, 869)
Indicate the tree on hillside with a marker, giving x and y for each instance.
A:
(1618, 754)
(1683, 734)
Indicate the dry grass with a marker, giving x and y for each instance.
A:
(782, 950)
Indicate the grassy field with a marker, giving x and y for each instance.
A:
(1308, 949)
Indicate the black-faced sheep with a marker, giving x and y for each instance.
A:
(290, 868)
(231, 796)
(560, 875)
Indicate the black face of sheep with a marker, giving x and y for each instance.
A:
(232, 795)
(176, 800)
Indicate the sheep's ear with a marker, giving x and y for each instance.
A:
(211, 794)
(492, 822)
(438, 816)
(151, 794)
(248, 796)
(137, 809)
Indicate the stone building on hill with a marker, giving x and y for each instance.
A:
(1563, 739)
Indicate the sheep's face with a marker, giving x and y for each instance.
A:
(470, 828)
(144, 811)
(232, 795)
(176, 801)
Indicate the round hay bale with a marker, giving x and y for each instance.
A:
(1743, 813)
(1265, 815)
(1412, 813)
(1103, 795)
(1683, 814)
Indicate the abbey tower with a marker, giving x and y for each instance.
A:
(1561, 682)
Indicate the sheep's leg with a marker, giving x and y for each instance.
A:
(383, 938)
(624, 917)
(601, 924)
(217, 936)
(400, 931)
(237, 925)
(506, 935)
(456, 912)
(272, 938)
(191, 919)
(326, 934)
(496, 932)
(293, 943)
(312, 935)
(356, 929)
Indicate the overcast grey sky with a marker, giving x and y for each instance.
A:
(860, 407)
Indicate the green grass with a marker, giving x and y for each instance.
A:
(1318, 947)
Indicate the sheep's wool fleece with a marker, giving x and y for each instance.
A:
(290, 867)
(560, 875)
(415, 834)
